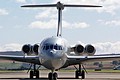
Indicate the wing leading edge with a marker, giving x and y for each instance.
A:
(82, 59)
(19, 57)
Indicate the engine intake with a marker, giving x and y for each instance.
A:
(35, 48)
(27, 49)
(90, 50)
(78, 49)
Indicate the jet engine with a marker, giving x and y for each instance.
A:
(89, 50)
(27, 49)
(35, 49)
(78, 49)
(30, 50)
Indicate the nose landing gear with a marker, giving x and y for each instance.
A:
(52, 76)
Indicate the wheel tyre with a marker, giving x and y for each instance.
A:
(83, 74)
(55, 76)
(37, 74)
(77, 74)
(31, 74)
(50, 76)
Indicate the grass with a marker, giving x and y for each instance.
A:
(17, 65)
(88, 70)
(92, 70)
(105, 71)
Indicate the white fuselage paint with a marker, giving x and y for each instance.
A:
(53, 52)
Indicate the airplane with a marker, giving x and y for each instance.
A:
(54, 52)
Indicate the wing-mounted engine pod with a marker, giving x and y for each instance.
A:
(27, 49)
(90, 50)
(79, 49)
(35, 49)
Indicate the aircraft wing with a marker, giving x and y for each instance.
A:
(72, 60)
(18, 56)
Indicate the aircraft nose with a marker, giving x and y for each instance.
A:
(52, 51)
(54, 54)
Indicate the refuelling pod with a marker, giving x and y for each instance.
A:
(79, 49)
(89, 50)
(27, 49)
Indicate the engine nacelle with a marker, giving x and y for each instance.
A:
(30, 50)
(79, 49)
(90, 50)
(35, 49)
(27, 49)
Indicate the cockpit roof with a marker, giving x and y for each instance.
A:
(53, 41)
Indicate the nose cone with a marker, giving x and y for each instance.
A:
(53, 64)
(54, 54)
(53, 51)
(53, 59)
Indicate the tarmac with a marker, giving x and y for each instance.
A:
(61, 76)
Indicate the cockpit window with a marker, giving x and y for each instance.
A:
(43, 47)
(51, 46)
(56, 47)
(47, 47)
(59, 48)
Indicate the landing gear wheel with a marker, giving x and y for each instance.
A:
(77, 74)
(55, 76)
(31, 74)
(37, 74)
(83, 74)
(50, 76)
(34, 73)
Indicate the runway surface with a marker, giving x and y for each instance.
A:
(62, 76)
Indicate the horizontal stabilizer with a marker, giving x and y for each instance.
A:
(81, 6)
(48, 5)
(59, 4)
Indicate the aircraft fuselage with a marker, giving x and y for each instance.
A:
(53, 52)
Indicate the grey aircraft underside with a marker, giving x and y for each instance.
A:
(54, 52)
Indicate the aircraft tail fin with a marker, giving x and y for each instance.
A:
(60, 6)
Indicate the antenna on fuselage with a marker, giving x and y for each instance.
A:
(60, 6)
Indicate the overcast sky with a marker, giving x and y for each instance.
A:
(97, 26)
